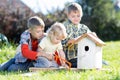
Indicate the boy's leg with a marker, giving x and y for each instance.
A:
(42, 62)
(21, 66)
(4, 66)
(73, 62)
(54, 64)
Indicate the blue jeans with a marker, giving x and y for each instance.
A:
(12, 66)
(4, 66)
(43, 62)
(21, 66)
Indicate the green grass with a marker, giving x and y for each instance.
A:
(111, 53)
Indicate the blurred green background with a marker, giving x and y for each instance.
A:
(101, 16)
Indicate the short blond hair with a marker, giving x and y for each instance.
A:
(57, 29)
(35, 21)
(74, 7)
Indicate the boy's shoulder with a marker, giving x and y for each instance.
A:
(25, 37)
(66, 22)
(69, 23)
(82, 25)
(25, 33)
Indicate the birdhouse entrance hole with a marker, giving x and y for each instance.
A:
(86, 48)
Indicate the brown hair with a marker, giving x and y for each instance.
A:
(74, 7)
(35, 21)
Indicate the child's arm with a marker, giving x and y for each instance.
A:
(71, 41)
(33, 54)
(44, 54)
(62, 55)
(26, 52)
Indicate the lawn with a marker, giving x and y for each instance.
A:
(111, 53)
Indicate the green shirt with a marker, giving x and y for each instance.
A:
(73, 31)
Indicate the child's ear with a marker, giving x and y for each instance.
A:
(52, 33)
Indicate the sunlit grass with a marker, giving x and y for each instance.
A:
(111, 54)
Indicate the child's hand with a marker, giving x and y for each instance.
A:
(65, 65)
(71, 41)
(39, 54)
(49, 56)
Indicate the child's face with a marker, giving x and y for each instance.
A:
(74, 17)
(37, 32)
(56, 39)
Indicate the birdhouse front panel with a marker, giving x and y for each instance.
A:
(89, 54)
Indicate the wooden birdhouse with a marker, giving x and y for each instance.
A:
(89, 51)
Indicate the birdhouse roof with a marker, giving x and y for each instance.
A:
(92, 36)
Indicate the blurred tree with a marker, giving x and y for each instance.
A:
(52, 17)
(101, 17)
(14, 23)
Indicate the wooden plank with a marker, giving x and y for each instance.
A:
(34, 69)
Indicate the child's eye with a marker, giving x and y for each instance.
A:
(73, 16)
(78, 15)
(39, 32)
